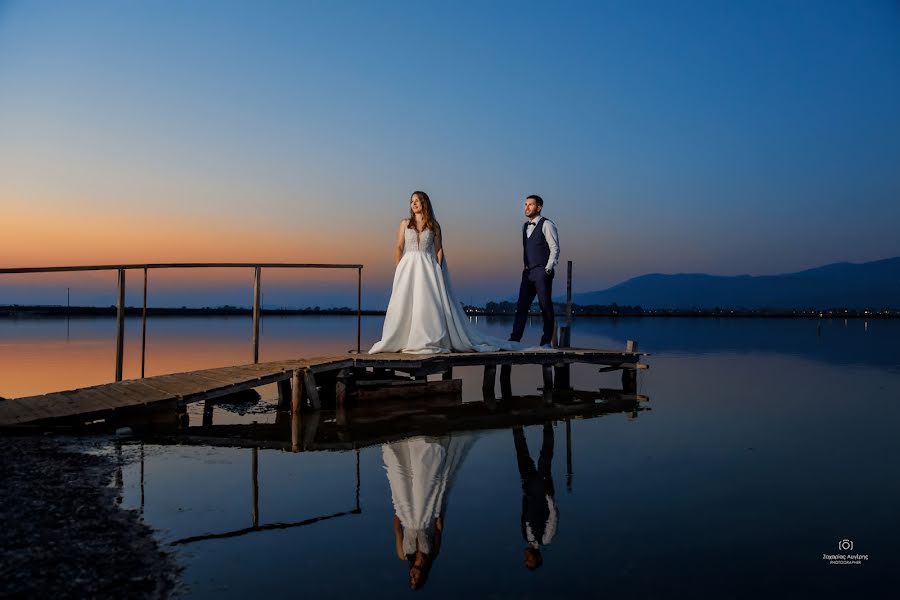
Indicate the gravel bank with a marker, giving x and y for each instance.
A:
(62, 534)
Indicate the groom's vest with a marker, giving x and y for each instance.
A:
(535, 249)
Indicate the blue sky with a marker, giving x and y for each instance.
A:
(720, 137)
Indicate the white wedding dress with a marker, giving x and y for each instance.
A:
(423, 315)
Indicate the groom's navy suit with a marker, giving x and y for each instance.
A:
(535, 282)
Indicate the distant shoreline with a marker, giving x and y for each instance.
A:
(37, 311)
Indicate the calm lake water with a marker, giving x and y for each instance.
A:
(765, 444)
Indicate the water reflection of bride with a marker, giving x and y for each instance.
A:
(421, 471)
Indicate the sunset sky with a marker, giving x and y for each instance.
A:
(718, 137)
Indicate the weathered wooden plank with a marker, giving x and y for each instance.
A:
(177, 385)
(96, 395)
(312, 392)
(14, 412)
(141, 390)
(58, 405)
(122, 395)
(416, 389)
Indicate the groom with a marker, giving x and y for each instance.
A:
(540, 251)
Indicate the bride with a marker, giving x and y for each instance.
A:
(423, 315)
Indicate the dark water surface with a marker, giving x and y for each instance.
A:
(766, 443)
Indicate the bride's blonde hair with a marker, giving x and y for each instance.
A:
(427, 212)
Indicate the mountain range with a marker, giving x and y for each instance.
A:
(840, 285)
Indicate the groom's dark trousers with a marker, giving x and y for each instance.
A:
(535, 282)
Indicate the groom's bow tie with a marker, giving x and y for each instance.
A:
(529, 223)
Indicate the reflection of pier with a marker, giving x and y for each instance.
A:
(307, 383)
(352, 429)
(367, 425)
(363, 426)
(270, 526)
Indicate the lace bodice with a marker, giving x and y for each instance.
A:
(423, 242)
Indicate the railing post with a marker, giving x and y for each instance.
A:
(358, 307)
(565, 333)
(144, 325)
(120, 324)
(257, 273)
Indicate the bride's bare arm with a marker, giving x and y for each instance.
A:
(438, 244)
(401, 241)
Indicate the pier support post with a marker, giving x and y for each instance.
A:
(488, 386)
(561, 372)
(284, 394)
(548, 383)
(296, 392)
(629, 375)
(629, 380)
(340, 388)
(490, 378)
(207, 413)
(310, 428)
(448, 374)
(506, 382)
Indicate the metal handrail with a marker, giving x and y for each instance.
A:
(257, 295)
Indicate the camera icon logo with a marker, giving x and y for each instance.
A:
(845, 545)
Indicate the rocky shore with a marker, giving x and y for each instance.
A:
(63, 535)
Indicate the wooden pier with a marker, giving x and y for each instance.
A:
(305, 384)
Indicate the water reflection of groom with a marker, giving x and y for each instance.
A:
(539, 513)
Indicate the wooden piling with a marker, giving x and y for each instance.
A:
(490, 378)
(629, 374)
(207, 413)
(312, 392)
(340, 388)
(506, 382)
(296, 392)
(284, 394)
(562, 377)
(548, 383)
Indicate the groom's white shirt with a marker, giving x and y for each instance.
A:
(552, 237)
